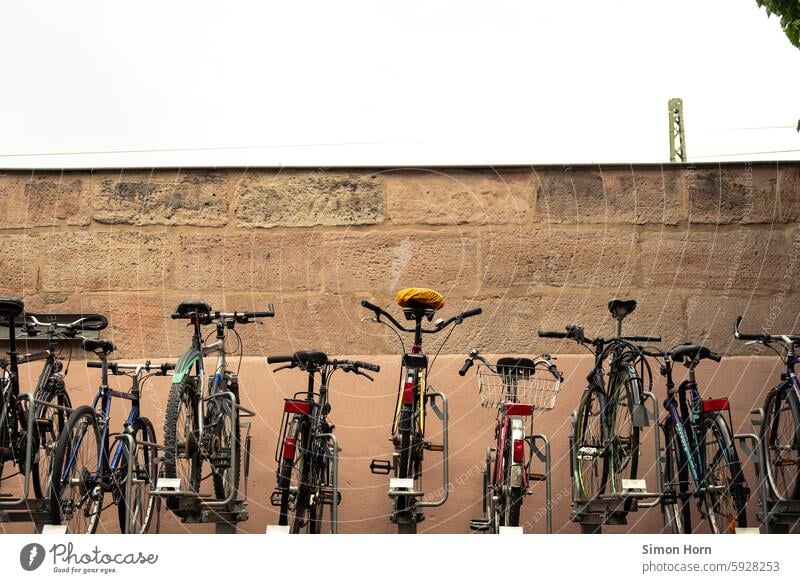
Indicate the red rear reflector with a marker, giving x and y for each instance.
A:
(295, 406)
(710, 405)
(288, 448)
(519, 409)
(408, 393)
(519, 451)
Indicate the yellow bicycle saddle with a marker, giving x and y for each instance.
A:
(420, 295)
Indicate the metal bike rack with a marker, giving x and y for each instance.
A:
(131, 444)
(548, 485)
(613, 509)
(444, 417)
(335, 480)
(778, 514)
(195, 508)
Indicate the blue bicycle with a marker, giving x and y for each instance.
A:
(780, 429)
(87, 466)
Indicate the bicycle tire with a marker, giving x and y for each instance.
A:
(786, 485)
(732, 483)
(289, 494)
(228, 438)
(82, 422)
(676, 476)
(182, 396)
(405, 522)
(624, 451)
(145, 471)
(591, 467)
(46, 444)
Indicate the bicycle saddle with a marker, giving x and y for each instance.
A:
(415, 297)
(693, 352)
(94, 344)
(621, 308)
(200, 307)
(521, 368)
(11, 307)
(310, 358)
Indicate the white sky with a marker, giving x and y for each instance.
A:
(390, 83)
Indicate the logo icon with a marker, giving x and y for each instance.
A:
(31, 556)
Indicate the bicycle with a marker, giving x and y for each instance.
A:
(413, 395)
(609, 416)
(513, 387)
(779, 435)
(86, 465)
(50, 400)
(305, 449)
(700, 459)
(201, 423)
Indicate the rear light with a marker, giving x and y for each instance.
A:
(408, 393)
(288, 448)
(519, 451)
(713, 405)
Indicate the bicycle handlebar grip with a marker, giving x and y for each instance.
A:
(366, 365)
(714, 356)
(93, 322)
(177, 316)
(279, 359)
(165, 366)
(370, 306)
(642, 338)
(551, 334)
(94, 364)
(466, 366)
(472, 312)
(270, 313)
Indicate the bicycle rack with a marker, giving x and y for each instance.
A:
(404, 486)
(130, 450)
(23, 508)
(335, 479)
(613, 509)
(195, 508)
(778, 514)
(548, 485)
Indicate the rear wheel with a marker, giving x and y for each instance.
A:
(589, 445)
(76, 498)
(407, 469)
(780, 438)
(144, 507)
(181, 445)
(291, 472)
(725, 498)
(623, 455)
(48, 425)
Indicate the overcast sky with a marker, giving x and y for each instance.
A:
(400, 83)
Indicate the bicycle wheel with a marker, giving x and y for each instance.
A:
(780, 438)
(48, 424)
(225, 450)
(406, 469)
(676, 480)
(725, 497)
(181, 447)
(143, 506)
(290, 473)
(589, 444)
(323, 493)
(623, 455)
(76, 499)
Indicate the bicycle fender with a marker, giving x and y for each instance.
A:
(184, 364)
(639, 414)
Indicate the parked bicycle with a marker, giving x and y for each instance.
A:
(87, 465)
(780, 429)
(306, 448)
(51, 403)
(700, 458)
(516, 387)
(201, 423)
(610, 415)
(413, 397)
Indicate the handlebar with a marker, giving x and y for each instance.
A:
(90, 322)
(117, 368)
(458, 318)
(238, 317)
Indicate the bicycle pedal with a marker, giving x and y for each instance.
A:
(433, 447)
(327, 497)
(480, 524)
(275, 498)
(536, 477)
(382, 467)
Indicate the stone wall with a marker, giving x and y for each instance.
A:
(534, 246)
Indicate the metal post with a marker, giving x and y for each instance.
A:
(677, 136)
(548, 487)
(335, 480)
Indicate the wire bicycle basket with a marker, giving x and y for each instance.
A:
(530, 386)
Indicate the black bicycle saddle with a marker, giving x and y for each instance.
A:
(621, 308)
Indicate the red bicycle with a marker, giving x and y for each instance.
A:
(516, 387)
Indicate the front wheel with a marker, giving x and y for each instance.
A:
(225, 451)
(725, 497)
(623, 455)
(48, 425)
(143, 506)
(181, 444)
(780, 439)
(76, 494)
(676, 480)
(589, 445)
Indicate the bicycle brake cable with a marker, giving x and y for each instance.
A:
(446, 338)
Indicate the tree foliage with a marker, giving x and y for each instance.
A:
(789, 13)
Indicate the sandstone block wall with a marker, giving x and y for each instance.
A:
(534, 246)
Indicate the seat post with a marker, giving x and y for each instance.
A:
(619, 325)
